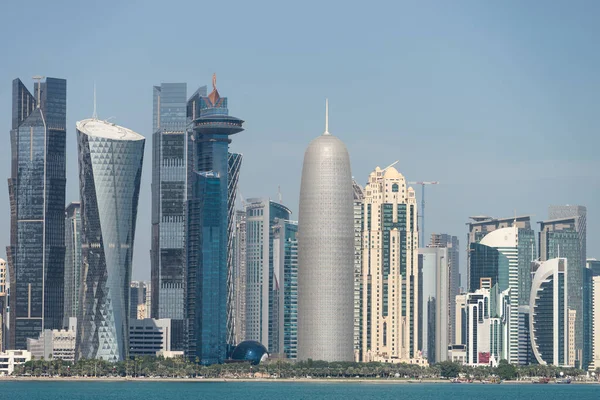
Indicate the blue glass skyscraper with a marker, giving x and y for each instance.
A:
(37, 203)
(208, 228)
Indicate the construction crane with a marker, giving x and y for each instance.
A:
(421, 215)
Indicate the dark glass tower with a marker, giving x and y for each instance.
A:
(37, 203)
(169, 170)
(72, 260)
(208, 228)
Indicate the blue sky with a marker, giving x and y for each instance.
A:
(496, 100)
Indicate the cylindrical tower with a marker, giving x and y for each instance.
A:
(110, 170)
(326, 253)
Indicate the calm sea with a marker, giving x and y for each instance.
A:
(287, 391)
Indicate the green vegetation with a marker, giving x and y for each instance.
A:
(158, 367)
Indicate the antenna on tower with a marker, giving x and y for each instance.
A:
(279, 194)
(95, 115)
(326, 117)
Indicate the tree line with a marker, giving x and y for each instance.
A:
(178, 367)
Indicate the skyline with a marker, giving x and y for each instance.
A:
(522, 81)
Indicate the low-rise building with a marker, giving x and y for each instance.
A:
(55, 344)
(149, 336)
(12, 358)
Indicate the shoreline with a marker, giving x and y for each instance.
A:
(263, 380)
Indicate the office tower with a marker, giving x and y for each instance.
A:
(134, 299)
(480, 226)
(451, 243)
(390, 269)
(2, 301)
(209, 283)
(110, 170)
(436, 335)
(359, 196)
(525, 352)
(591, 270)
(239, 276)
(564, 236)
(263, 279)
(234, 162)
(595, 359)
(487, 316)
(72, 261)
(55, 344)
(37, 202)
(149, 336)
(549, 313)
(284, 310)
(325, 252)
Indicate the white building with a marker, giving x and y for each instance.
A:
(11, 358)
(595, 323)
(55, 344)
(149, 336)
(549, 320)
(487, 315)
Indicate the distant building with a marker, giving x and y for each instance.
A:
(142, 312)
(264, 281)
(12, 358)
(72, 261)
(460, 324)
(564, 236)
(148, 336)
(110, 169)
(549, 317)
(390, 269)
(239, 276)
(359, 196)
(55, 344)
(36, 190)
(457, 353)
(285, 270)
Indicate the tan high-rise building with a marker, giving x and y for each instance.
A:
(390, 287)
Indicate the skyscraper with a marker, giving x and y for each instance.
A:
(239, 276)
(284, 336)
(72, 261)
(444, 240)
(325, 252)
(359, 196)
(549, 312)
(209, 282)
(595, 363)
(110, 170)
(564, 237)
(592, 270)
(263, 283)
(169, 175)
(37, 202)
(390, 269)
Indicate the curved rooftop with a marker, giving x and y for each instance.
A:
(103, 129)
(503, 237)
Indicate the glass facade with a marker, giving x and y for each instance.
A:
(239, 276)
(208, 230)
(110, 169)
(72, 261)
(37, 201)
(592, 269)
(169, 173)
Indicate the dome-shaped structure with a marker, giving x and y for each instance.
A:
(250, 350)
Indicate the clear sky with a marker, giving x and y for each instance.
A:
(499, 101)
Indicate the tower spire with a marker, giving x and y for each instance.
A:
(326, 117)
(95, 114)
